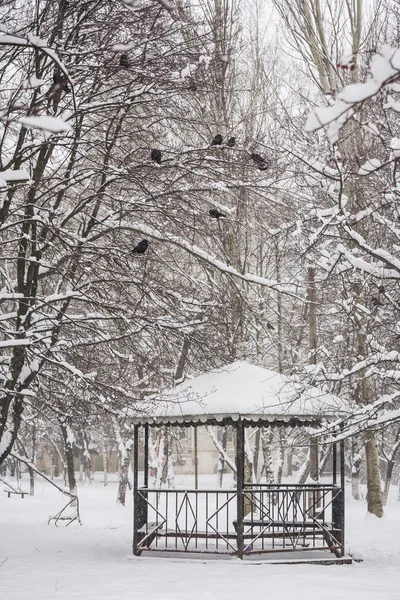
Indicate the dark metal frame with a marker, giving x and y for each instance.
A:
(292, 516)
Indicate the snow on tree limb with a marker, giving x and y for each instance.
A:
(46, 123)
(204, 256)
(384, 69)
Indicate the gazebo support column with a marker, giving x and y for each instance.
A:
(342, 496)
(140, 506)
(334, 463)
(136, 525)
(146, 456)
(240, 485)
(196, 460)
(338, 514)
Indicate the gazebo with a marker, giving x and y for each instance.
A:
(252, 519)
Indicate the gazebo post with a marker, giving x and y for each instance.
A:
(146, 456)
(135, 491)
(334, 463)
(342, 495)
(240, 484)
(339, 501)
(196, 460)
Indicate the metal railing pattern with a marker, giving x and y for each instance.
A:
(280, 518)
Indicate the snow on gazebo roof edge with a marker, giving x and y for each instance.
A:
(241, 391)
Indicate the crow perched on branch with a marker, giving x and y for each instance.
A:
(124, 61)
(261, 163)
(231, 142)
(156, 156)
(61, 81)
(217, 141)
(216, 214)
(141, 247)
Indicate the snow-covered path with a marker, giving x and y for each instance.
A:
(94, 561)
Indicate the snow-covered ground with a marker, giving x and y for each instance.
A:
(94, 561)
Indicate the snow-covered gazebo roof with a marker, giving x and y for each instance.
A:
(242, 391)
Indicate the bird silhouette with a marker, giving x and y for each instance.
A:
(156, 156)
(217, 141)
(261, 163)
(61, 81)
(141, 247)
(216, 214)
(231, 142)
(124, 61)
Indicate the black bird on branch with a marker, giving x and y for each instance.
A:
(261, 163)
(124, 61)
(61, 81)
(231, 142)
(156, 156)
(216, 214)
(141, 247)
(217, 141)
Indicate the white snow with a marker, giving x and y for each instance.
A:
(384, 66)
(395, 146)
(12, 343)
(94, 561)
(16, 175)
(123, 47)
(372, 164)
(283, 286)
(50, 124)
(60, 297)
(32, 82)
(242, 390)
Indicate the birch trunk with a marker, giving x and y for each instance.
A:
(123, 479)
(355, 471)
(105, 462)
(221, 459)
(374, 493)
(266, 445)
(69, 458)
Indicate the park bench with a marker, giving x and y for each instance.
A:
(9, 492)
(267, 528)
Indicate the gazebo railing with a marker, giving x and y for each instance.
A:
(289, 517)
(277, 518)
(186, 520)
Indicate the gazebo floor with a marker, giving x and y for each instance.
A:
(275, 558)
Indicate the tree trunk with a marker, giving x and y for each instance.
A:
(248, 505)
(289, 462)
(69, 457)
(266, 444)
(125, 457)
(304, 470)
(256, 452)
(31, 481)
(221, 460)
(105, 461)
(366, 396)
(312, 315)
(280, 457)
(374, 493)
(388, 481)
(314, 460)
(355, 470)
